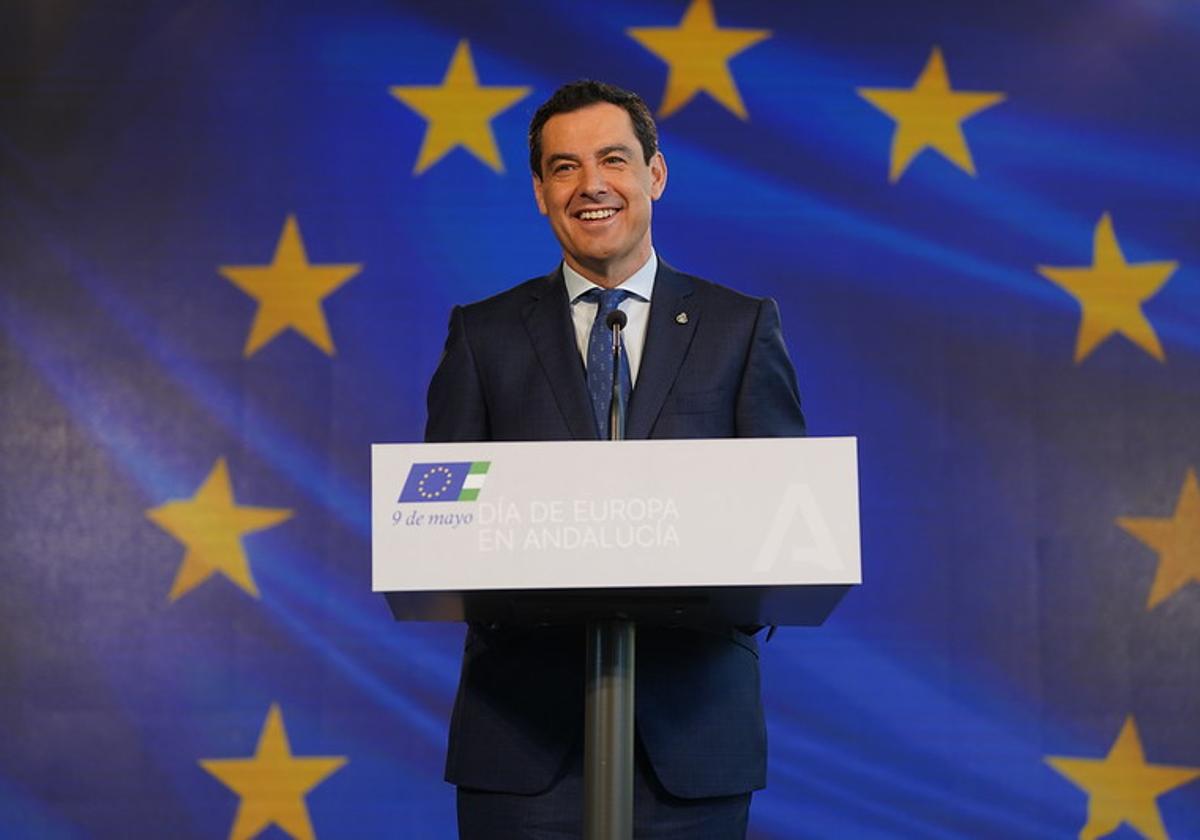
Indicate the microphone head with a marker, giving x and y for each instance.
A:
(616, 318)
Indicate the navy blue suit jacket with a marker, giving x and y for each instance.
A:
(511, 371)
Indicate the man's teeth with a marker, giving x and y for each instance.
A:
(590, 215)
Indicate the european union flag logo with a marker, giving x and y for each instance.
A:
(457, 482)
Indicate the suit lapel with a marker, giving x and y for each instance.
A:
(548, 322)
(667, 342)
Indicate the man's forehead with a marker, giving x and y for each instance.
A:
(588, 129)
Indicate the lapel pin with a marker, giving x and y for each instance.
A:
(681, 318)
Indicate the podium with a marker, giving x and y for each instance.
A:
(694, 533)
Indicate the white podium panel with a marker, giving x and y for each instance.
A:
(765, 513)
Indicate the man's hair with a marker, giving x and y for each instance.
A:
(585, 92)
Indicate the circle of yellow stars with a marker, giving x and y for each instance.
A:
(1122, 787)
(447, 478)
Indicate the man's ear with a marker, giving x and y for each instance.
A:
(658, 175)
(537, 194)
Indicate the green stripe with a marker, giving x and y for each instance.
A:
(479, 467)
(469, 495)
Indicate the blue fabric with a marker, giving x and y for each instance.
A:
(599, 358)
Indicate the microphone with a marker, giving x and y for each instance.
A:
(616, 321)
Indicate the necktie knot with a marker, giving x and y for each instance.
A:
(606, 300)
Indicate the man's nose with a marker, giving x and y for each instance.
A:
(593, 183)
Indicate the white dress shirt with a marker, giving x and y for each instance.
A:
(636, 307)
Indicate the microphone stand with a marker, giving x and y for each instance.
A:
(616, 410)
(608, 707)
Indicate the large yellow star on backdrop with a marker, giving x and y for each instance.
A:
(1111, 293)
(211, 525)
(289, 291)
(1122, 787)
(929, 116)
(697, 53)
(273, 783)
(459, 112)
(1176, 539)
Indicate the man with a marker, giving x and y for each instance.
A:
(704, 361)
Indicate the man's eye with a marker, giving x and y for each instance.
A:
(562, 167)
(614, 160)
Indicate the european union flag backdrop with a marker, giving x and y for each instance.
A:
(231, 237)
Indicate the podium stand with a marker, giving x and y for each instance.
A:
(677, 532)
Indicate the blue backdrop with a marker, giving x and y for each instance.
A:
(231, 235)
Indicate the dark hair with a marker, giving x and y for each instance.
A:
(585, 92)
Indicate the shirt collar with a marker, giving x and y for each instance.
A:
(640, 284)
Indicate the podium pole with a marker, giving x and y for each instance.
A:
(608, 731)
(608, 713)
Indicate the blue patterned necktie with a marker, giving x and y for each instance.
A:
(599, 357)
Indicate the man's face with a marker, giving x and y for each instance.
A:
(596, 190)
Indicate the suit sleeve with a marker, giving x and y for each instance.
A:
(455, 402)
(768, 400)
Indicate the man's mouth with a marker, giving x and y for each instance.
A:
(596, 215)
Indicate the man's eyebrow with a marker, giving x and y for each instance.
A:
(617, 147)
(557, 156)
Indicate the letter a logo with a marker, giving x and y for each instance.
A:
(811, 545)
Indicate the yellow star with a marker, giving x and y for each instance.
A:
(1176, 539)
(289, 291)
(1122, 787)
(459, 112)
(929, 116)
(1111, 293)
(211, 525)
(697, 53)
(273, 783)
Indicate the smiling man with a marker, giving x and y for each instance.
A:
(527, 364)
(595, 179)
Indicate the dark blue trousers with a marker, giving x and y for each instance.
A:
(557, 814)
